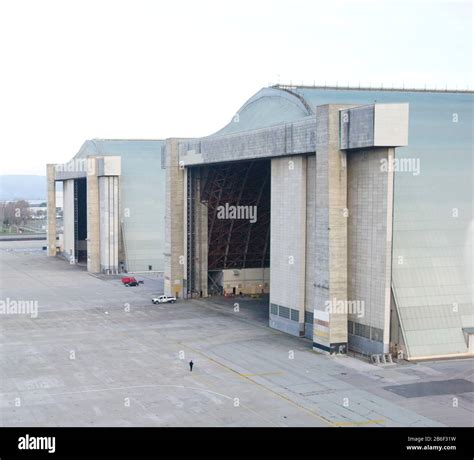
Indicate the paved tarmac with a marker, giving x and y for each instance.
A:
(100, 354)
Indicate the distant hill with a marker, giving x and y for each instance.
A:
(24, 187)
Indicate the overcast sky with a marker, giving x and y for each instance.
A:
(75, 70)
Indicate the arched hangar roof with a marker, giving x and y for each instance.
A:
(270, 106)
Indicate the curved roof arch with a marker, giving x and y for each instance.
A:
(134, 148)
(270, 106)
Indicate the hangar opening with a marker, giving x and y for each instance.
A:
(228, 209)
(80, 220)
(75, 220)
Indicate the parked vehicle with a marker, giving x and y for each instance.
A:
(131, 281)
(163, 299)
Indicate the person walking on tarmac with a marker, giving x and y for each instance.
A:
(191, 364)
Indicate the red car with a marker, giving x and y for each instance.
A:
(131, 281)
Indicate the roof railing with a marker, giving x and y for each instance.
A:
(291, 87)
